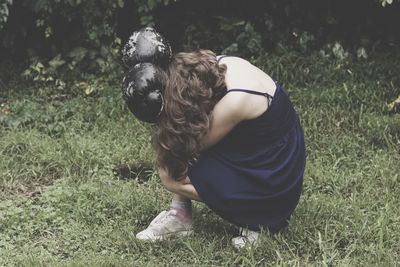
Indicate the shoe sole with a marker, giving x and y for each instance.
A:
(166, 236)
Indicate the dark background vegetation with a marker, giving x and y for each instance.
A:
(82, 31)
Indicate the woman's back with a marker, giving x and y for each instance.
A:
(241, 74)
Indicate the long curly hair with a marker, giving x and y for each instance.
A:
(195, 83)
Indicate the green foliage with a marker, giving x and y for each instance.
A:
(45, 74)
(386, 2)
(62, 136)
(233, 36)
(63, 69)
(247, 43)
(305, 40)
(92, 46)
(145, 9)
(4, 11)
(95, 17)
(85, 36)
(61, 205)
(95, 20)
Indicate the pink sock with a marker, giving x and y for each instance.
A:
(183, 210)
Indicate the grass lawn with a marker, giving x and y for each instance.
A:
(62, 205)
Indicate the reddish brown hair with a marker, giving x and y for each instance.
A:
(194, 85)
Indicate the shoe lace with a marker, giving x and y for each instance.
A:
(169, 215)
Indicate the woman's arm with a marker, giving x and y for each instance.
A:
(227, 113)
(181, 187)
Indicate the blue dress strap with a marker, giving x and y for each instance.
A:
(222, 56)
(250, 92)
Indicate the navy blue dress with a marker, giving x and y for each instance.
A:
(253, 177)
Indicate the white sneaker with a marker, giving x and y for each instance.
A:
(166, 224)
(246, 238)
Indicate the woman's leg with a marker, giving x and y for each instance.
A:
(183, 207)
(177, 221)
(179, 198)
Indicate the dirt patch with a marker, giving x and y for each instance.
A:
(4, 108)
(139, 171)
(33, 189)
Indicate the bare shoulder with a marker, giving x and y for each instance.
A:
(241, 106)
(241, 74)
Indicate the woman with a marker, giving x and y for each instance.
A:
(227, 135)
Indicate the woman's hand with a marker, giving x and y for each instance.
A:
(169, 183)
(182, 186)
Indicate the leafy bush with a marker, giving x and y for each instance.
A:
(75, 35)
(4, 11)
(59, 39)
(146, 7)
(386, 2)
(59, 26)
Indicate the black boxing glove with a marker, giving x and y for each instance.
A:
(146, 45)
(143, 86)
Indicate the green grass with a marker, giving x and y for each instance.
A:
(61, 205)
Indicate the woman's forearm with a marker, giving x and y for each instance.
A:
(181, 187)
(188, 191)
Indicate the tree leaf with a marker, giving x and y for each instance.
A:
(392, 105)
